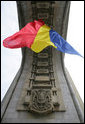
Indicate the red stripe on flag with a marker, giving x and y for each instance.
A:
(25, 37)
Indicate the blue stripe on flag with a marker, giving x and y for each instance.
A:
(61, 44)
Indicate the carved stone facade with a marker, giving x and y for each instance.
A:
(42, 94)
(41, 100)
(43, 10)
(27, 94)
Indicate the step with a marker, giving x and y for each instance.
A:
(42, 86)
(43, 55)
(42, 64)
(42, 71)
(42, 79)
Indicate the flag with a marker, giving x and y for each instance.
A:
(37, 36)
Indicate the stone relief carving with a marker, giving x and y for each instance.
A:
(41, 100)
(42, 95)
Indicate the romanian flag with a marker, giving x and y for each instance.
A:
(37, 36)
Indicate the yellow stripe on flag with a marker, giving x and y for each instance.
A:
(42, 39)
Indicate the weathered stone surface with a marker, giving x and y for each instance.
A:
(44, 71)
(9, 104)
(42, 78)
(43, 64)
(43, 55)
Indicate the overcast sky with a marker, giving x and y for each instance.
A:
(11, 59)
(75, 37)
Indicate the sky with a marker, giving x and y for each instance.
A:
(75, 37)
(11, 59)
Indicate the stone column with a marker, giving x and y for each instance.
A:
(29, 85)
